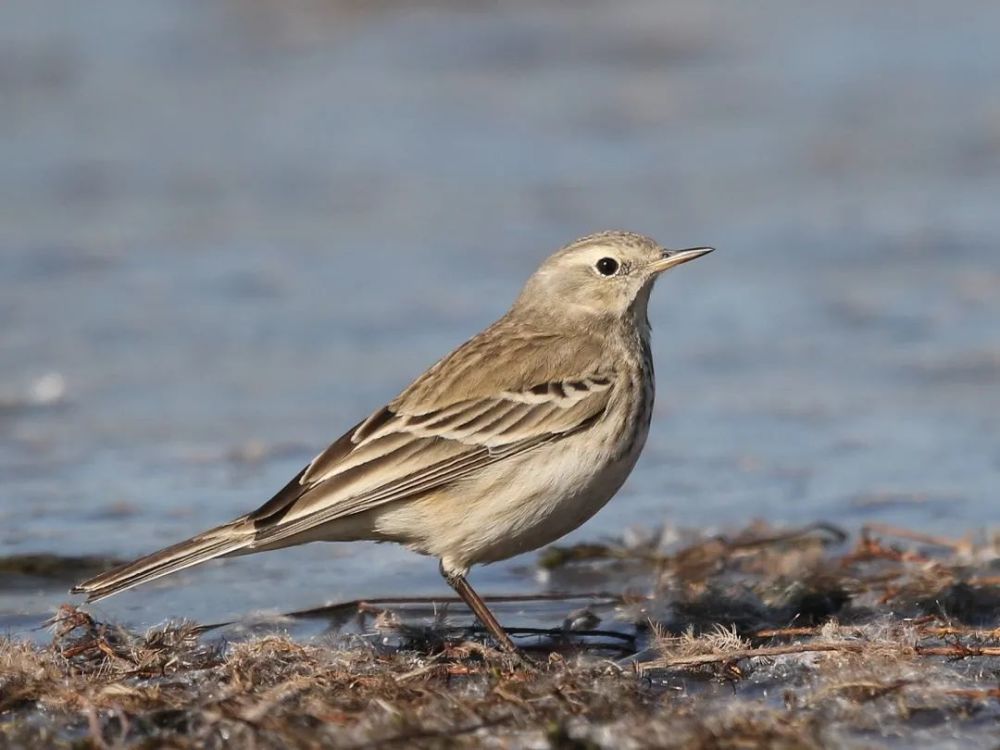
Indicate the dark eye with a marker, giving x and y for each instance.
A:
(607, 266)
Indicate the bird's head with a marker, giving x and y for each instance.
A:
(603, 275)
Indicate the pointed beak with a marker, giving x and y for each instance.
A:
(673, 258)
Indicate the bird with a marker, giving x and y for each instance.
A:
(506, 444)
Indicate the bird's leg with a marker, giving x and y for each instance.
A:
(480, 610)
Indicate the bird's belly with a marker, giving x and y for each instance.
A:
(518, 506)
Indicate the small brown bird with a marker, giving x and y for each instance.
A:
(511, 441)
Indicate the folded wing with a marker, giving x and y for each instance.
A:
(403, 451)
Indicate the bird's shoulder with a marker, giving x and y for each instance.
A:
(506, 358)
(507, 383)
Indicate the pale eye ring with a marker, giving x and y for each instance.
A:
(607, 266)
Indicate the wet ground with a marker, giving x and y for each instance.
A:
(229, 230)
(797, 638)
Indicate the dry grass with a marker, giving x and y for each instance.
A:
(764, 639)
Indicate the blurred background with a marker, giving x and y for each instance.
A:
(229, 230)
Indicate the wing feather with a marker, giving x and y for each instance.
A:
(424, 440)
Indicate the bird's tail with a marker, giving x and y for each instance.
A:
(223, 540)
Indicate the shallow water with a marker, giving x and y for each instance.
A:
(229, 230)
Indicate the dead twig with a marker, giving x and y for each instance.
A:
(695, 660)
(943, 631)
(377, 604)
(958, 650)
(785, 632)
(976, 694)
(884, 529)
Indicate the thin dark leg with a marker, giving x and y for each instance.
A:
(481, 611)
